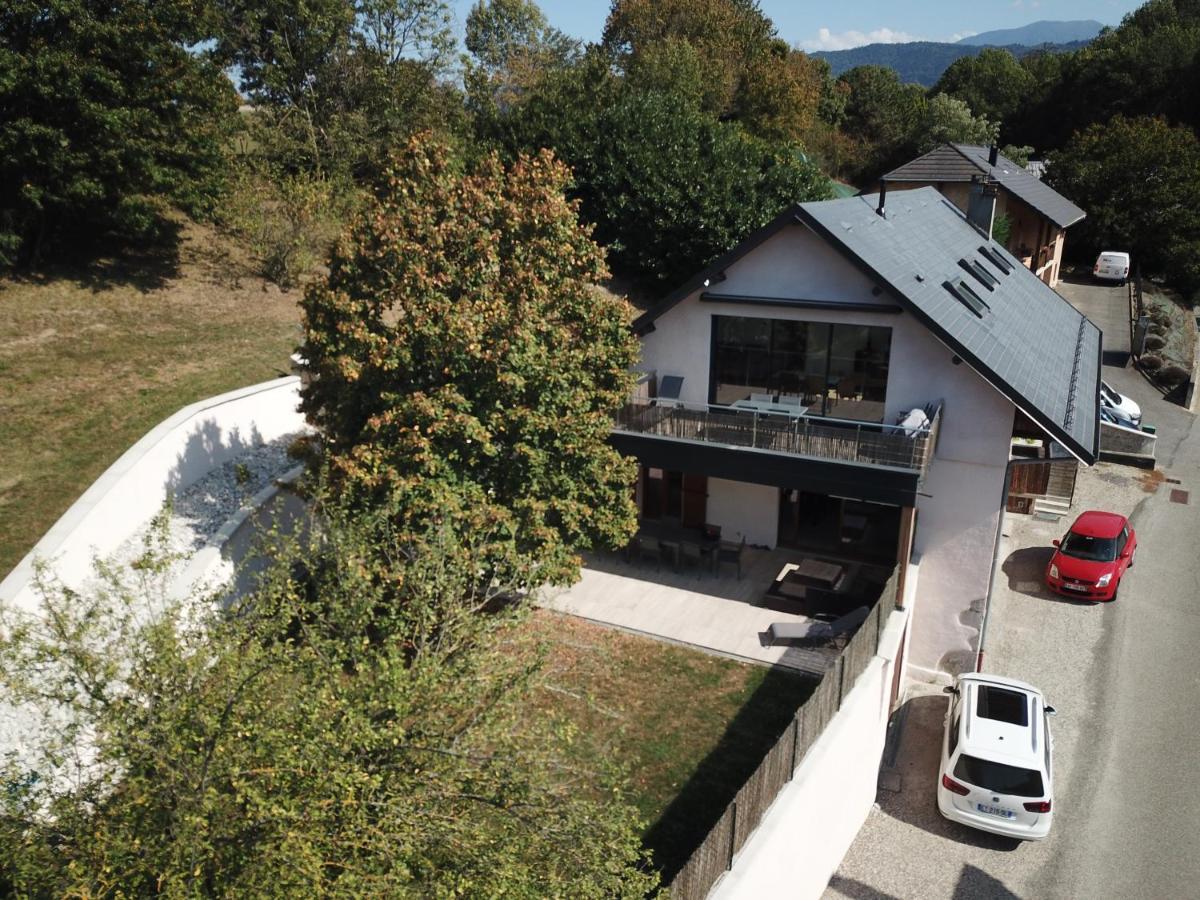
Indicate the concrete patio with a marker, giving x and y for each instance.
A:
(693, 607)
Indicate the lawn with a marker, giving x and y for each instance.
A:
(691, 727)
(91, 362)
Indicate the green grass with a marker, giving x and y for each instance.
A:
(89, 364)
(689, 727)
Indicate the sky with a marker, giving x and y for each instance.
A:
(851, 23)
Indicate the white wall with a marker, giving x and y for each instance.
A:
(175, 454)
(741, 509)
(957, 520)
(814, 820)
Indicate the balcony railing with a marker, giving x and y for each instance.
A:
(814, 437)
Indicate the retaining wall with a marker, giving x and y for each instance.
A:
(172, 456)
(814, 820)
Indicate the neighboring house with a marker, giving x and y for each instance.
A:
(1038, 216)
(790, 360)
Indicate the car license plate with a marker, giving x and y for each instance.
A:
(995, 811)
(1076, 587)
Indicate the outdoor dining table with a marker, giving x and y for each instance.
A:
(673, 536)
(771, 409)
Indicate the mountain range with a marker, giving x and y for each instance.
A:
(925, 61)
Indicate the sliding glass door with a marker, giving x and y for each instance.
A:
(834, 369)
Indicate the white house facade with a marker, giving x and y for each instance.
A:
(831, 385)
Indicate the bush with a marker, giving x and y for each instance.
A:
(1155, 342)
(290, 222)
(1173, 374)
(1151, 363)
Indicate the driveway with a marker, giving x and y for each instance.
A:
(1123, 679)
(1107, 305)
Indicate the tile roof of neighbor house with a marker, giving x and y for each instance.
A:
(1026, 341)
(960, 162)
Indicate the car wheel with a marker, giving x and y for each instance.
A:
(1132, 557)
(1116, 590)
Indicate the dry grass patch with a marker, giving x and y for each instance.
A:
(91, 361)
(689, 727)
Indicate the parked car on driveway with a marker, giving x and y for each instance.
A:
(1112, 265)
(1122, 409)
(997, 773)
(1092, 557)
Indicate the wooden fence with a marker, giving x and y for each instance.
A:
(716, 853)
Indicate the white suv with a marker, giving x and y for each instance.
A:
(996, 772)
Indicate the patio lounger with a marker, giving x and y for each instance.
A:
(848, 622)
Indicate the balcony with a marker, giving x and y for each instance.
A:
(885, 447)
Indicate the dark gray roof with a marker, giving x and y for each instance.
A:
(959, 162)
(1030, 343)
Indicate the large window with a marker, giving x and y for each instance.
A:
(837, 370)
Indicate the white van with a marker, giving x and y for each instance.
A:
(1112, 265)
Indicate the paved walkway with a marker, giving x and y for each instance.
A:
(713, 614)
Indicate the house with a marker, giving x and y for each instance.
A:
(1038, 216)
(849, 380)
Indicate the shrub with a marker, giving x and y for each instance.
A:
(1151, 363)
(1173, 374)
(1155, 342)
(290, 222)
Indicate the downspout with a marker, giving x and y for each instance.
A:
(987, 604)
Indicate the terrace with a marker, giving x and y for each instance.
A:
(780, 431)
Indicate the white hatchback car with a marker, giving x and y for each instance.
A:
(996, 773)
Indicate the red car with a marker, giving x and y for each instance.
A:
(1090, 560)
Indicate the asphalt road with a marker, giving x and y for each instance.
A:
(1124, 678)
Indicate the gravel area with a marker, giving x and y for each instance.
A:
(199, 511)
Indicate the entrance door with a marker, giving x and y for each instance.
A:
(695, 501)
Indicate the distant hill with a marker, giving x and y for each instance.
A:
(1037, 33)
(921, 61)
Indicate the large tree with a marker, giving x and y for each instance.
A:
(355, 727)
(464, 370)
(993, 84)
(336, 84)
(106, 120)
(670, 188)
(1137, 179)
(881, 116)
(948, 120)
(727, 54)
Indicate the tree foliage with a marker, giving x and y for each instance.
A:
(464, 370)
(881, 115)
(337, 84)
(670, 188)
(107, 121)
(723, 53)
(355, 727)
(1137, 180)
(993, 84)
(948, 120)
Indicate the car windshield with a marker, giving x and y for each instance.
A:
(994, 776)
(1083, 546)
(1110, 395)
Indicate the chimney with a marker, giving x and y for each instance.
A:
(981, 204)
(993, 155)
(881, 210)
